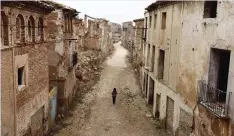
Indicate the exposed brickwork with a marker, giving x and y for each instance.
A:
(63, 44)
(7, 93)
(32, 55)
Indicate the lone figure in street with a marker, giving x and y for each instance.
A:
(114, 93)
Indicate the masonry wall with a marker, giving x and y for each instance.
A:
(91, 39)
(35, 95)
(168, 40)
(138, 43)
(7, 93)
(187, 41)
(195, 58)
(128, 35)
(33, 56)
(62, 44)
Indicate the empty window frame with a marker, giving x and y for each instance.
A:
(40, 29)
(161, 64)
(21, 76)
(150, 21)
(31, 29)
(20, 32)
(164, 19)
(4, 29)
(155, 21)
(145, 32)
(210, 9)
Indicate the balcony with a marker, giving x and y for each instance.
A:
(213, 99)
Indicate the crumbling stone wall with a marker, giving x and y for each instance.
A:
(138, 44)
(91, 38)
(98, 35)
(63, 44)
(105, 39)
(116, 30)
(128, 35)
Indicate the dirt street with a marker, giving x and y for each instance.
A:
(97, 116)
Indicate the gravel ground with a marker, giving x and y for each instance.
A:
(97, 116)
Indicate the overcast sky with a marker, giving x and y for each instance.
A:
(113, 10)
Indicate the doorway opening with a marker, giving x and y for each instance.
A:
(153, 59)
(218, 71)
(157, 111)
(151, 92)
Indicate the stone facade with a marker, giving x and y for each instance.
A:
(98, 35)
(24, 65)
(184, 43)
(138, 45)
(128, 34)
(116, 30)
(63, 52)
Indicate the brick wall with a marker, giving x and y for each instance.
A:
(35, 93)
(7, 93)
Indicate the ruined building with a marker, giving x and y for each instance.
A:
(138, 45)
(62, 53)
(24, 67)
(98, 35)
(116, 30)
(189, 66)
(128, 34)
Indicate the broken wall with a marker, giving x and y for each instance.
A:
(128, 35)
(63, 44)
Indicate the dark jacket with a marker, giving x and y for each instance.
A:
(114, 93)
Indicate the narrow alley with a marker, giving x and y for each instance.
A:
(106, 119)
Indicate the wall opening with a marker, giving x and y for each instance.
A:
(20, 32)
(4, 29)
(161, 64)
(150, 25)
(146, 84)
(148, 55)
(157, 111)
(218, 71)
(164, 18)
(145, 27)
(20, 76)
(151, 92)
(40, 29)
(153, 59)
(169, 114)
(210, 9)
(155, 21)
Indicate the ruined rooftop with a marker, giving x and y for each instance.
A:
(65, 8)
(159, 4)
(139, 19)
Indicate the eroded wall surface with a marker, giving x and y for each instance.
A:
(187, 41)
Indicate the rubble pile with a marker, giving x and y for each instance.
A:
(88, 69)
(88, 73)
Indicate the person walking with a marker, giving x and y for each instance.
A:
(114, 94)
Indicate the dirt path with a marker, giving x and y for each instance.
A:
(97, 116)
